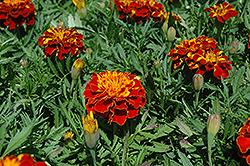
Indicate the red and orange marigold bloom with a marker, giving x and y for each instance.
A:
(60, 42)
(20, 160)
(243, 141)
(210, 60)
(201, 54)
(115, 95)
(15, 13)
(222, 11)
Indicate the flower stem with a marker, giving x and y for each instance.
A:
(197, 93)
(125, 149)
(210, 138)
(93, 154)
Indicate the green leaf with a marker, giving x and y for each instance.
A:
(52, 67)
(185, 161)
(183, 127)
(238, 79)
(18, 139)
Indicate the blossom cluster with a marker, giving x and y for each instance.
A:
(14, 13)
(201, 54)
(243, 141)
(142, 10)
(20, 160)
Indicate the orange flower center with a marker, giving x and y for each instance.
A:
(115, 83)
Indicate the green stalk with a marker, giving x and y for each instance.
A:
(210, 138)
(197, 93)
(93, 154)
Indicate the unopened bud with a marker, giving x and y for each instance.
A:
(68, 137)
(171, 34)
(156, 64)
(198, 81)
(102, 4)
(213, 123)
(235, 45)
(82, 11)
(24, 63)
(61, 25)
(89, 50)
(91, 131)
(76, 68)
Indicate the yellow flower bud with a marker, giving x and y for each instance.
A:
(171, 34)
(76, 68)
(213, 123)
(68, 137)
(198, 81)
(82, 11)
(91, 131)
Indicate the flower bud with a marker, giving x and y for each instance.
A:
(89, 50)
(156, 64)
(198, 81)
(24, 63)
(213, 123)
(68, 137)
(82, 11)
(102, 4)
(61, 25)
(171, 34)
(76, 68)
(91, 131)
(235, 44)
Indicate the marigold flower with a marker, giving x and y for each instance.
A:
(15, 13)
(91, 132)
(222, 11)
(211, 59)
(60, 42)
(200, 54)
(20, 160)
(243, 141)
(115, 95)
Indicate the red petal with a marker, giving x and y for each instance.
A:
(243, 143)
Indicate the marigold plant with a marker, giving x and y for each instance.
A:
(20, 160)
(243, 141)
(115, 95)
(60, 42)
(14, 13)
(222, 11)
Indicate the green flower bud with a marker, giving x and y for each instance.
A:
(102, 4)
(213, 123)
(171, 34)
(235, 44)
(198, 81)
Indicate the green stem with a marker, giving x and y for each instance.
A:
(210, 138)
(73, 82)
(125, 149)
(93, 154)
(197, 93)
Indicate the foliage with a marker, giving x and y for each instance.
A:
(42, 102)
